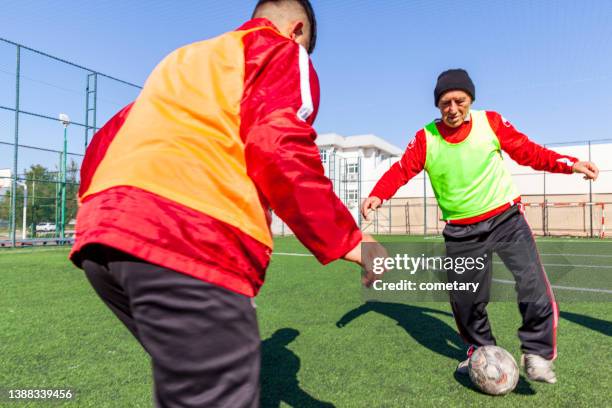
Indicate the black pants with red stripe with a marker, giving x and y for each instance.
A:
(510, 237)
(203, 340)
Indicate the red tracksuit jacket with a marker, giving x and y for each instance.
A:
(516, 144)
(221, 132)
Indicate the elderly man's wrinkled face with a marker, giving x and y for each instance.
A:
(454, 107)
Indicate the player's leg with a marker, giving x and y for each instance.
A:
(109, 289)
(203, 340)
(518, 251)
(469, 308)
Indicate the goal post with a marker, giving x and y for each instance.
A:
(583, 219)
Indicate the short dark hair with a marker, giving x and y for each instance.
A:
(309, 14)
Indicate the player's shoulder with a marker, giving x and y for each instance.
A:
(491, 113)
(418, 141)
(261, 35)
(498, 121)
(495, 116)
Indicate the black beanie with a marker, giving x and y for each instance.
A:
(454, 79)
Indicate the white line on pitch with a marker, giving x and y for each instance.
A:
(589, 255)
(290, 254)
(560, 287)
(571, 265)
(497, 280)
(500, 263)
(17, 251)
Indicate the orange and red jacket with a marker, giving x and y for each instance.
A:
(518, 146)
(221, 132)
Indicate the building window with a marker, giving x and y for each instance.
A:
(352, 172)
(352, 194)
(323, 154)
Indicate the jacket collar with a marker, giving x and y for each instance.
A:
(258, 22)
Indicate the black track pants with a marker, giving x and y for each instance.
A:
(508, 235)
(203, 340)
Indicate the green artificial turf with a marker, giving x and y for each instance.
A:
(321, 344)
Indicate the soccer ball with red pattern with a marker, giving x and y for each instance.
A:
(493, 370)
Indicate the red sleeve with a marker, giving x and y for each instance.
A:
(98, 147)
(411, 164)
(526, 152)
(278, 108)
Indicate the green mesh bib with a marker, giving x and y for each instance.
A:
(468, 178)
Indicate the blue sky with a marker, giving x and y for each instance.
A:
(545, 65)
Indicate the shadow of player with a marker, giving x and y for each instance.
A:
(602, 326)
(430, 332)
(425, 329)
(279, 369)
(522, 387)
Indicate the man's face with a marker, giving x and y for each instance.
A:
(454, 107)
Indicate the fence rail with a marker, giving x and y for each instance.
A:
(39, 152)
(40, 159)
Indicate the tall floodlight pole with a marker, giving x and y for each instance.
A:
(65, 121)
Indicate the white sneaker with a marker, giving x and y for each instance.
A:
(538, 368)
(462, 367)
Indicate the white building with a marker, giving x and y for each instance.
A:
(356, 163)
(5, 181)
(353, 164)
(370, 157)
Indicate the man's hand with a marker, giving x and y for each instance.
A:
(370, 204)
(373, 249)
(589, 169)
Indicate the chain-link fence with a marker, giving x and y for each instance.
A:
(40, 159)
(555, 204)
(41, 154)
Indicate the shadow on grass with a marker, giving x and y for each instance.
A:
(522, 388)
(279, 369)
(427, 330)
(602, 326)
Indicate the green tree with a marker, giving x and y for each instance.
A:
(44, 199)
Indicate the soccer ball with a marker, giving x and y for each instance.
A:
(493, 370)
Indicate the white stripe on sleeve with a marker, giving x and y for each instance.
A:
(307, 107)
(566, 161)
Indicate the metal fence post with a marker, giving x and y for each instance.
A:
(13, 216)
(390, 215)
(545, 215)
(57, 196)
(63, 188)
(590, 198)
(91, 106)
(359, 191)
(424, 204)
(407, 216)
